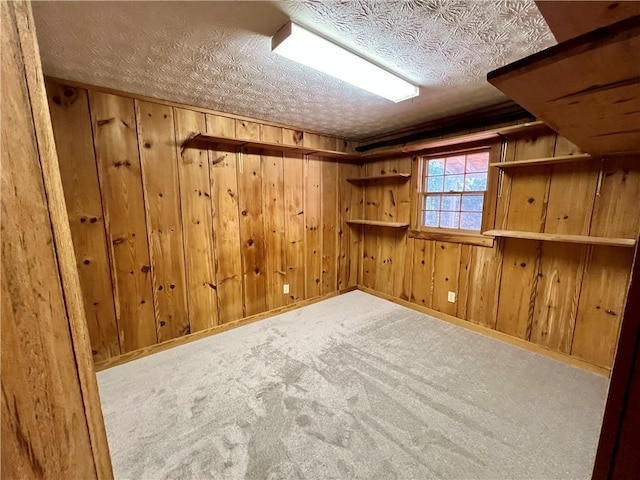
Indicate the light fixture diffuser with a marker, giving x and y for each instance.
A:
(300, 45)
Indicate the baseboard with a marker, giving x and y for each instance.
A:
(518, 342)
(159, 347)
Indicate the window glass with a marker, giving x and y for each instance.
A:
(453, 191)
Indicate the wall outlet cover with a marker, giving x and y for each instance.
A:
(285, 288)
(451, 297)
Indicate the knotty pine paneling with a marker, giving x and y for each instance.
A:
(69, 110)
(567, 298)
(156, 139)
(116, 146)
(197, 222)
(194, 238)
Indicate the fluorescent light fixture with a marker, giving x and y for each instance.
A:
(295, 43)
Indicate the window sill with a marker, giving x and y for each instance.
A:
(454, 237)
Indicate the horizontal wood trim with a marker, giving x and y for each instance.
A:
(453, 237)
(143, 352)
(213, 139)
(556, 237)
(583, 157)
(518, 342)
(400, 176)
(378, 223)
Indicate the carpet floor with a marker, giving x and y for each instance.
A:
(352, 387)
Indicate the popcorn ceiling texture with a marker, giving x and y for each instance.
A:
(218, 55)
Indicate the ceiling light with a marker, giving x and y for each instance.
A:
(296, 43)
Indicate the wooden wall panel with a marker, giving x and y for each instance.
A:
(518, 281)
(350, 203)
(313, 225)
(69, 109)
(484, 285)
(295, 251)
(329, 227)
(386, 237)
(403, 198)
(116, 147)
(557, 295)
(252, 236)
(445, 276)
(206, 234)
(423, 262)
(542, 292)
(615, 211)
(226, 231)
(156, 136)
(274, 227)
(196, 209)
(605, 283)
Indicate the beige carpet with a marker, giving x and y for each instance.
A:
(350, 388)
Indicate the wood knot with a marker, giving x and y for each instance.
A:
(250, 242)
(147, 145)
(145, 269)
(244, 213)
(162, 323)
(86, 261)
(531, 200)
(522, 264)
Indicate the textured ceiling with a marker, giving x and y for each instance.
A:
(217, 55)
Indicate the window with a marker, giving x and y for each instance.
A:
(452, 191)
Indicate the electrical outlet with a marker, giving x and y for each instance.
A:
(285, 288)
(451, 297)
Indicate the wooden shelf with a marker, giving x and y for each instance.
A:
(296, 149)
(587, 88)
(556, 237)
(544, 161)
(401, 176)
(378, 223)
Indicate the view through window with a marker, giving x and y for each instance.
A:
(453, 189)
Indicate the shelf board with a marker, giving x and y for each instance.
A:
(583, 157)
(587, 88)
(296, 149)
(378, 223)
(379, 177)
(557, 237)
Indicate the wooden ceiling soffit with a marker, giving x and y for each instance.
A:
(587, 89)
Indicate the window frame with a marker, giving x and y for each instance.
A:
(472, 237)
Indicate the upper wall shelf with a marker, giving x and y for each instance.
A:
(583, 157)
(387, 152)
(296, 149)
(378, 223)
(557, 237)
(587, 88)
(400, 176)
